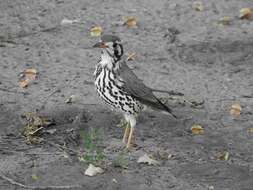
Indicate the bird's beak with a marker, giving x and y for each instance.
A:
(100, 45)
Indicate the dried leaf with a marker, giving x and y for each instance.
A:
(34, 124)
(147, 160)
(223, 155)
(235, 110)
(197, 129)
(250, 130)
(51, 131)
(24, 83)
(96, 31)
(131, 56)
(130, 21)
(92, 170)
(34, 177)
(245, 13)
(66, 21)
(30, 74)
(198, 6)
(170, 156)
(27, 76)
(225, 21)
(71, 99)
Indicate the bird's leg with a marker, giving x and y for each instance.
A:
(129, 145)
(126, 133)
(131, 122)
(124, 123)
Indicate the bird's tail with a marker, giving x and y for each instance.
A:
(165, 108)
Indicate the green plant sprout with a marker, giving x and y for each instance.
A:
(93, 152)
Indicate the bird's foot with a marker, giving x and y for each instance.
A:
(132, 146)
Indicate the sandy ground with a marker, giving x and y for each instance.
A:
(202, 59)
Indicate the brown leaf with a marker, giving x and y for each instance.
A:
(27, 76)
(223, 155)
(250, 130)
(245, 13)
(198, 6)
(131, 56)
(96, 31)
(30, 74)
(197, 129)
(235, 110)
(23, 83)
(130, 21)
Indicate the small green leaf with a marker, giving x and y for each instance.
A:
(34, 177)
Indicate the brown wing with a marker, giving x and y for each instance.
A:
(136, 88)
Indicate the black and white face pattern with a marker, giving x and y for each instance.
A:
(114, 49)
(111, 54)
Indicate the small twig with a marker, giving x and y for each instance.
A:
(44, 101)
(35, 131)
(62, 148)
(247, 96)
(193, 103)
(13, 182)
(43, 153)
(51, 94)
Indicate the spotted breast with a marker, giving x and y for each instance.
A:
(110, 90)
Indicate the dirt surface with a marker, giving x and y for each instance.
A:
(177, 47)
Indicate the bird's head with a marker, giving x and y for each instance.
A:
(111, 45)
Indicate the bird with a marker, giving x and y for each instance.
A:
(120, 88)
